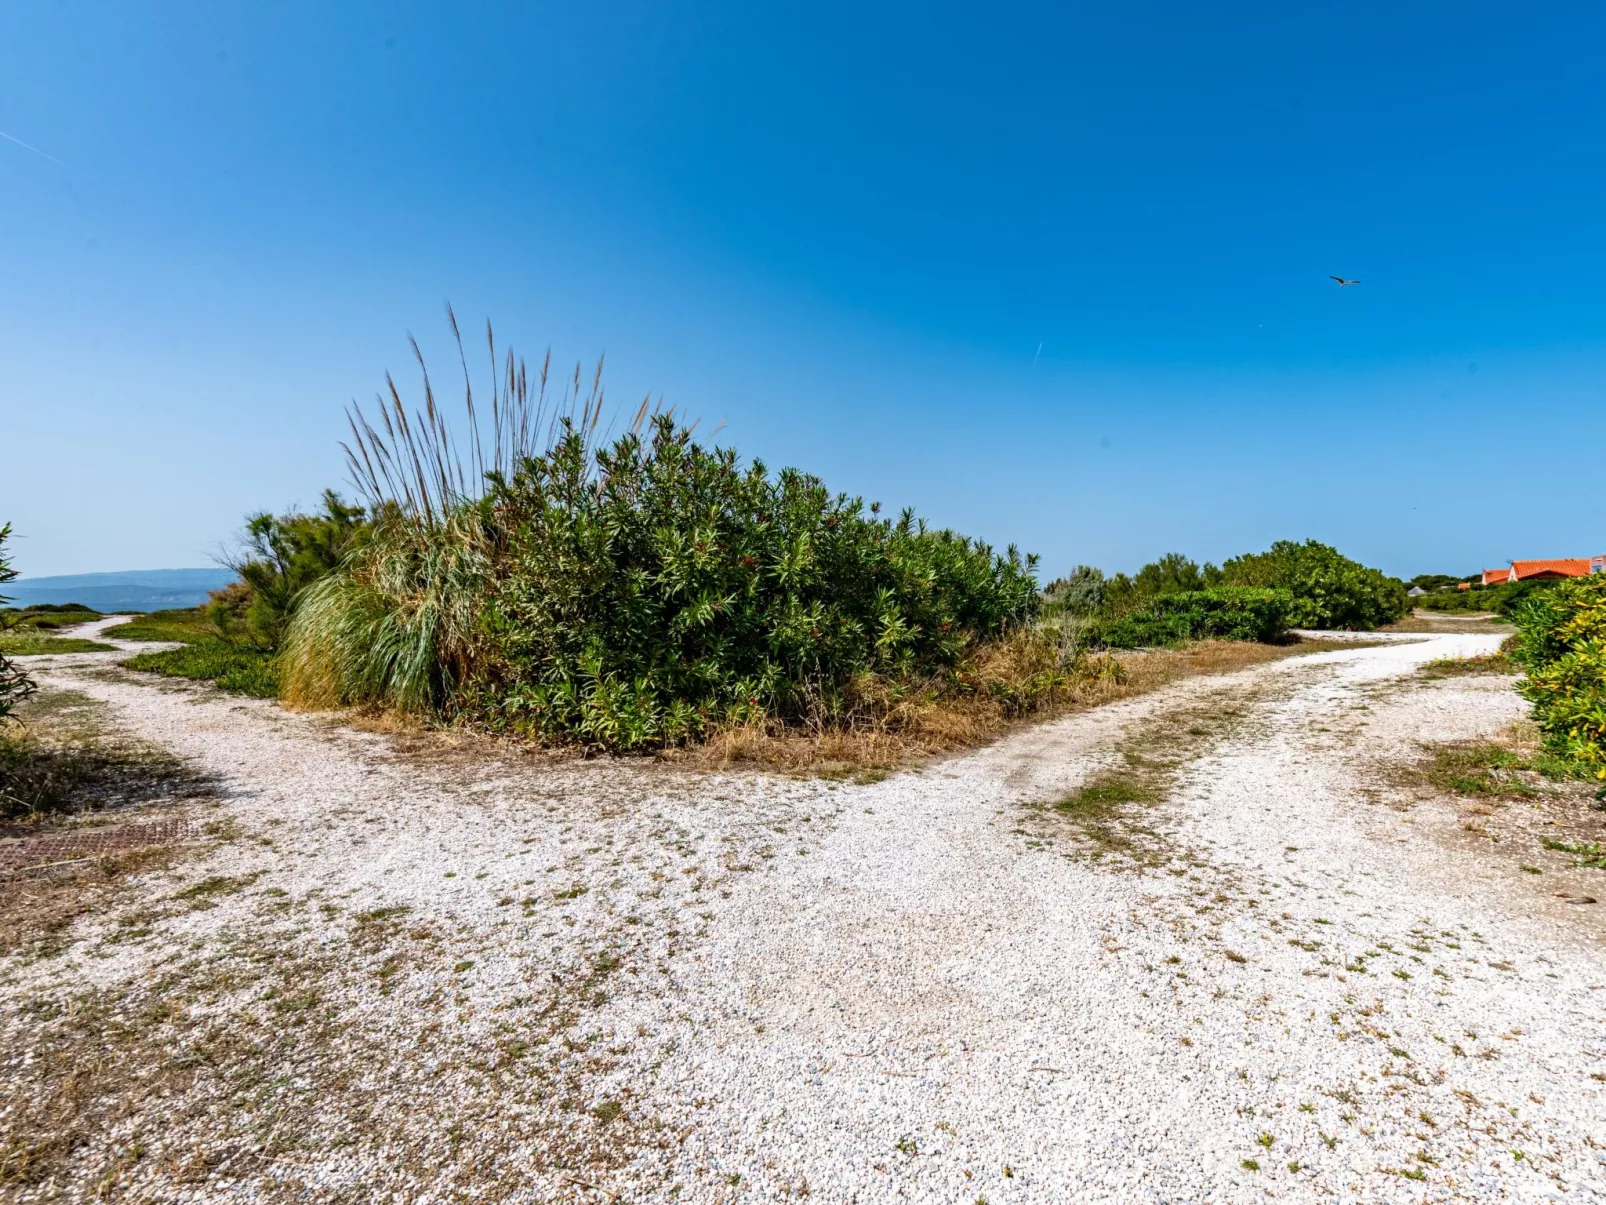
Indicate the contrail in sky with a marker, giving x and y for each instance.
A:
(1039, 352)
(37, 151)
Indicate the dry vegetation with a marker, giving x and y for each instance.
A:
(924, 726)
(1519, 803)
(1431, 622)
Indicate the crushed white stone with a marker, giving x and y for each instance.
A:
(886, 993)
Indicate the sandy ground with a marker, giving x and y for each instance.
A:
(404, 968)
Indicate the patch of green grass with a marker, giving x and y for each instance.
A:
(30, 642)
(235, 667)
(1457, 667)
(1590, 857)
(216, 885)
(1105, 796)
(189, 626)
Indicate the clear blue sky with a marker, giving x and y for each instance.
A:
(843, 229)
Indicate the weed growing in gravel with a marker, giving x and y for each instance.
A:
(1460, 667)
(1590, 857)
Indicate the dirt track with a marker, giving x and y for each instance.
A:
(402, 967)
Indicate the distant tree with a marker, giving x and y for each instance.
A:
(281, 557)
(1432, 582)
(1173, 573)
(1079, 593)
(15, 684)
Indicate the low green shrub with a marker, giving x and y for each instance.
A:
(1502, 599)
(1561, 642)
(186, 625)
(237, 667)
(1218, 613)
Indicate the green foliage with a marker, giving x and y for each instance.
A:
(283, 555)
(48, 617)
(1502, 598)
(244, 669)
(665, 587)
(185, 626)
(1084, 592)
(639, 594)
(15, 685)
(1329, 590)
(1214, 613)
(32, 642)
(1173, 573)
(1561, 642)
(1436, 581)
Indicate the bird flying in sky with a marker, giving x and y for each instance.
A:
(1342, 282)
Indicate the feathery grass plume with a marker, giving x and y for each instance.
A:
(412, 461)
(398, 625)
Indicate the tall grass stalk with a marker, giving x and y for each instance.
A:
(413, 463)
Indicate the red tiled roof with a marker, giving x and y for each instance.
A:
(1577, 566)
(1494, 576)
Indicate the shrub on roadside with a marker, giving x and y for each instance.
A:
(15, 685)
(1501, 599)
(1561, 642)
(639, 593)
(1217, 613)
(1329, 590)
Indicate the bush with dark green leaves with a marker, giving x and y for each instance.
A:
(1329, 590)
(1561, 642)
(1502, 599)
(666, 588)
(15, 685)
(1216, 613)
(641, 594)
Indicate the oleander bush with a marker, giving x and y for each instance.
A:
(1247, 613)
(1561, 642)
(1329, 590)
(640, 592)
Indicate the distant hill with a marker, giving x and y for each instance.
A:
(134, 590)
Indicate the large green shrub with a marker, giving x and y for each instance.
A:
(1561, 642)
(15, 685)
(645, 592)
(1329, 590)
(1214, 613)
(666, 587)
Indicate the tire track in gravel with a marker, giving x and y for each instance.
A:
(929, 1009)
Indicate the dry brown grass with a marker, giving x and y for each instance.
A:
(929, 724)
(1441, 623)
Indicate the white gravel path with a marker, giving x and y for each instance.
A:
(896, 993)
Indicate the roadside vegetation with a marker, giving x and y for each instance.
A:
(1257, 596)
(1502, 599)
(534, 576)
(1561, 643)
(15, 684)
